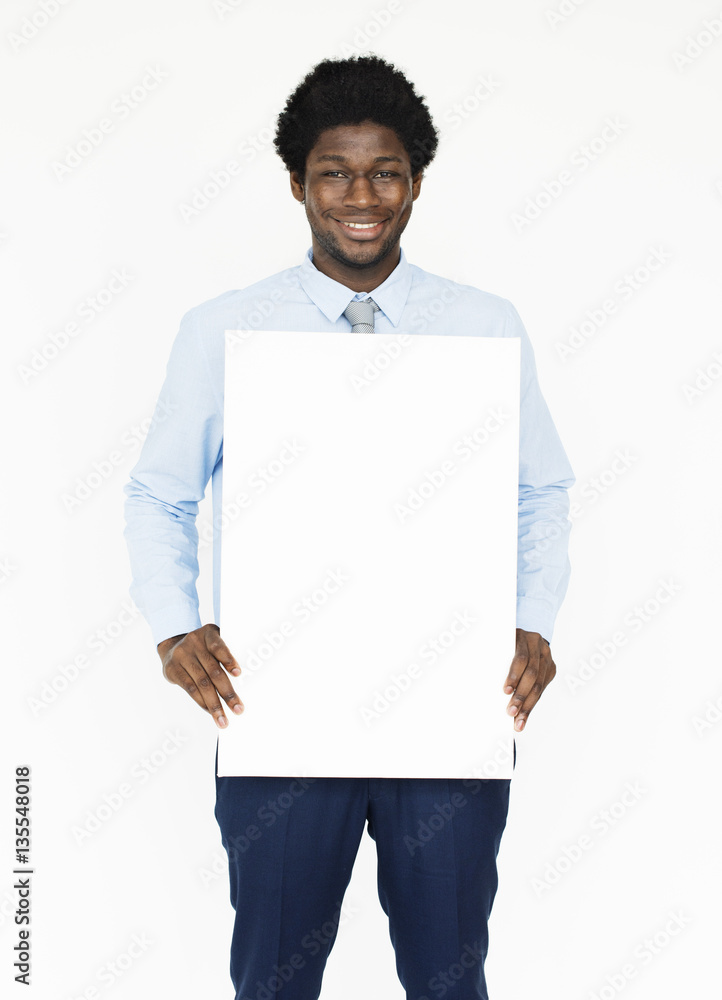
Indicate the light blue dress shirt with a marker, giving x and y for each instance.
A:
(184, 446)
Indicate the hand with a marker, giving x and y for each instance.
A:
(197, 662)
(531, 670)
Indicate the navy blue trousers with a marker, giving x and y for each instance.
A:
(291, 847)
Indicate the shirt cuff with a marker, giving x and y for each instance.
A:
(167, 622)
(533, 616)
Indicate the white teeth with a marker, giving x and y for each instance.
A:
(361, 225)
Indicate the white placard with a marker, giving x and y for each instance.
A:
(368, 570)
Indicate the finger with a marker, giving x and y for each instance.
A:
(524, 709)
(177, 674)
(517, 668)
(207, 688)
(529, 683)
(217, 648)
(518, 663)
(220, 680)
(546, 674)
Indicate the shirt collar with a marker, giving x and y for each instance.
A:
(332, 297)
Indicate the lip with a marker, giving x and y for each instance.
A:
(360, 234)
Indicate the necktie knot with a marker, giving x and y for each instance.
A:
(360, 315)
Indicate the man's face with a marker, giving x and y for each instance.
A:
(359, 192)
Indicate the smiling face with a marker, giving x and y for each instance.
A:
(359, 191)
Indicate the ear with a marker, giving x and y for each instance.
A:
(416, 185)
(297, 186)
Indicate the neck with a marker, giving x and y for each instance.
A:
(358, 279)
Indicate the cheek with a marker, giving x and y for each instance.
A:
(311, 204)
(405, 209)
(319, 195)
(405, 201)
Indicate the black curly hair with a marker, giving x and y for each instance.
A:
(348, 92)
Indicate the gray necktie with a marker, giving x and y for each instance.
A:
(361, 315)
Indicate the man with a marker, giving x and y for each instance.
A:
(356, 139)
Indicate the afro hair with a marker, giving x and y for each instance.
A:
(348, 92)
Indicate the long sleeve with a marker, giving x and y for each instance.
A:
(545, 476)
(182, 448)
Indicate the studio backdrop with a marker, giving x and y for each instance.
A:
(579, 175)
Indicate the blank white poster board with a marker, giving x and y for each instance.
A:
(368, 560)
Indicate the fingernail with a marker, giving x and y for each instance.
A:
(513, 709)
(236, 671)
(238, 709)
(508, 689)
(222, 721)
(519, 724)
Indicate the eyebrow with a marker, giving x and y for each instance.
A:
(336, 158)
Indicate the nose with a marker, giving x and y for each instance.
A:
(360, 193)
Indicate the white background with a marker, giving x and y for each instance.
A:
(567, 923)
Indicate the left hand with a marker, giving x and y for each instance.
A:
(531, 670)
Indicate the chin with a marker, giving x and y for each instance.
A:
(364, 259)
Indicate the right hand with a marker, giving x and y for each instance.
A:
(198, 662)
